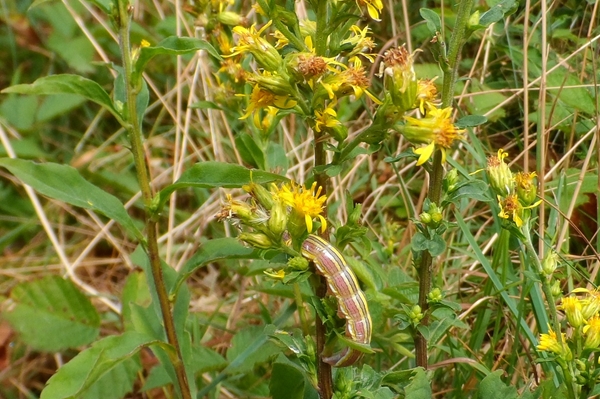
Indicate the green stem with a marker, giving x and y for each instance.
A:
(456, 43)
(137, 149)
(322, 28)
(437, 173)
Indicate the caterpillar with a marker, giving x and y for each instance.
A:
(351, 300)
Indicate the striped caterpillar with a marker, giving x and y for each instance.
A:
(351, 300)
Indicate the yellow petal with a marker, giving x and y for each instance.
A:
(424, 153)
(309, 223)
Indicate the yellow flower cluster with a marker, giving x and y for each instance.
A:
(273, 216)
(516, 193)
(583, 318)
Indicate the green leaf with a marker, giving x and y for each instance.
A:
(250, 151)
(64, 183)
(105, 364)
(172, 45)
(470, 121)
(419, 387)
(472, 189)
(492, 387)
(68, 84)
(436, 245)
(287, 382)
(241, 358)
(434, 23)
(51, 314)
(497, 12)
(217, 174)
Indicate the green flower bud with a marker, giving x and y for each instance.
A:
(399, 78)
(436, 217)
(261, 194)
(549, 263)
(526, 187)
(555, 289)
(425, 218)
(298, 263)
(231, 18)
(415, 314)
(473, 22)
(450, 181)
(499, 174)
(435, 295)
(278, 220)
(257, 240)
(354, 217)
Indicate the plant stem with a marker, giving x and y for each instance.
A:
(137, 149)
(437, 174)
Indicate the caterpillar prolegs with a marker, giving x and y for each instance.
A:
(351, 300)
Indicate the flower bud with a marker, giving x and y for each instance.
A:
(415, 314)
(436, 217)
(555, 289)
(231, 18)
(399, 78)
(473, 22)
(425, 218)
(450, 181)
(354, 218)
(499, 174)
(260, 194)
(526, 187)
(298, 263)
(435, 295)
(592, 333)
(257, 240)
(277, 275)
(549, 263)
(278, 220)
(571, 305)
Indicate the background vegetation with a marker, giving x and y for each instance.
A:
(70, 276)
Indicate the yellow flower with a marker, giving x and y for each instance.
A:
(350, 81)
(426, 93)
(572, 308)
(549, 343)
(362, 44)
(592, 333)
(306, 203)
(326, 118)
(436, 129)
(591, 302)
(512, 209)
(261, 98)
(265, 53)
(374, 7)
(526, 187)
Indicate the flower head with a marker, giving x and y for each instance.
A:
(592, 333)
(250, 40)
(526, 187)
(350, 81)
(436, 129)
(426, 93)
(327, 121)
(512, 209)
(261, 98)
(361, 45)
(306, 204)
(549, 343)
(572, 307)
(399, 77)
(501, 178)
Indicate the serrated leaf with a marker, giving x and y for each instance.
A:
(492, 387)
(419, 387)
(51, 314)
(68, 84)
(436, 245)
(64, 183)
(217, 174)
(434, 23)
(80, 376)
